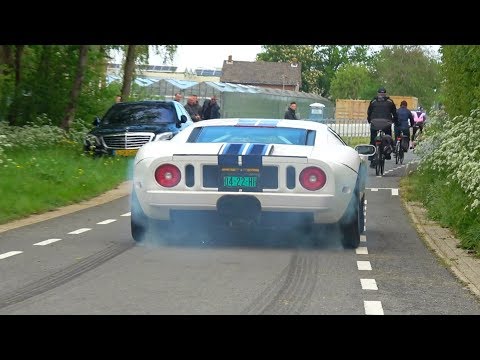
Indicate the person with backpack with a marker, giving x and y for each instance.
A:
(382, 108)
(405, 122)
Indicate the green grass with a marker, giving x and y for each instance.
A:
(36, 181)
(446, 204)
(353, 141)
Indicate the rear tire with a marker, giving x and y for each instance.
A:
(138, 220)
(350, 223)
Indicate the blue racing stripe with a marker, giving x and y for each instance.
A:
(233, 149)
(257, 149)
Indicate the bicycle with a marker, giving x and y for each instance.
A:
(379, 158)
(399, 149)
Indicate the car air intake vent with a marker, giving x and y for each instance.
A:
(127, 140)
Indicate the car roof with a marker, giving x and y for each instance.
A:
(144, 102)
(256, 122)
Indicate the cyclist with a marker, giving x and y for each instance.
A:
(405, 121)
(382, 107)
(419, 117)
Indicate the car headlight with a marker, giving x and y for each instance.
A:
(163, 136)
(91, 140)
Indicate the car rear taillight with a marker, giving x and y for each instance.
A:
(168, 175)
(313, 178)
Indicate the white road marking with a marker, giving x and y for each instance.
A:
(363, 238)
(364, 265)
(104, 222)
(126, 214)
(361, 250)
(373, 307)
(46, 242)
(374, 189)
(365, 202)
(79, 231)
(369, 284)
(394, 192)
(10, 253)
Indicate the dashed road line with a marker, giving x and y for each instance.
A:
(369, 284)
(10, 253)
(46, 242)
(126, 214)
(105, 222)
(364, 265)
(373, 307)
(79, 231)
(363, 238)
(394, 192)
(361, 250)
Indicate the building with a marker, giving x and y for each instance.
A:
(276, 75)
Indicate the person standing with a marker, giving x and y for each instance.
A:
(291, 112)
(210, 109)
(193, 108)
(178, 97)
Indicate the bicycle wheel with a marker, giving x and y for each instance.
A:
(401, 154)
(377, 161)
(397, 152)
(382, 164)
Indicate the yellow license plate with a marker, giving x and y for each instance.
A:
(126, 152)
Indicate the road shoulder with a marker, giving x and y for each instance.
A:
(444, 244)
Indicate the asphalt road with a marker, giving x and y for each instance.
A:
(87, 263)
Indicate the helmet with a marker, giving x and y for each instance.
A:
(419, 108)
(382, 90)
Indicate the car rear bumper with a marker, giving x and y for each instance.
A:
(323, 208)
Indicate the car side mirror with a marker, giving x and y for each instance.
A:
(183, 119)
(96, 121)
(164, 136)
(364, 149)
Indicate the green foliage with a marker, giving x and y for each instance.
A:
(45, 177)
(451, 148)
(461, 70)
(353, 82)
(408, 70)
(319, 62)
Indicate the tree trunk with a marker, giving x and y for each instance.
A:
(77, 86)
(128, 72)
(13, 111)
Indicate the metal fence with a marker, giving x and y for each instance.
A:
(348, 128)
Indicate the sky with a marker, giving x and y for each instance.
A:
(212, 56)
(208, 56)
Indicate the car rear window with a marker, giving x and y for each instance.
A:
(252, 134)
(134, 114)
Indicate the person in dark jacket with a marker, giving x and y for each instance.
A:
(193, 108)
(290, 113)
(382, 107)
(210, 109)
(405, 122)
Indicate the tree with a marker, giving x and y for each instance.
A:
(319, 62)
(353, 82)
(140, 53)
(408, 70)
(77, 85)
(461, 71)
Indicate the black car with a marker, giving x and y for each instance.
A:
(127, 126)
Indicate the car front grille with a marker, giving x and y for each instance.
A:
(127, 140)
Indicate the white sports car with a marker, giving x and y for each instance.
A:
(237, 172)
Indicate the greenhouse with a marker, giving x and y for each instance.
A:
(237, 100)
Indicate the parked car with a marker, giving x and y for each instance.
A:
(251, 172)
(129, 125)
